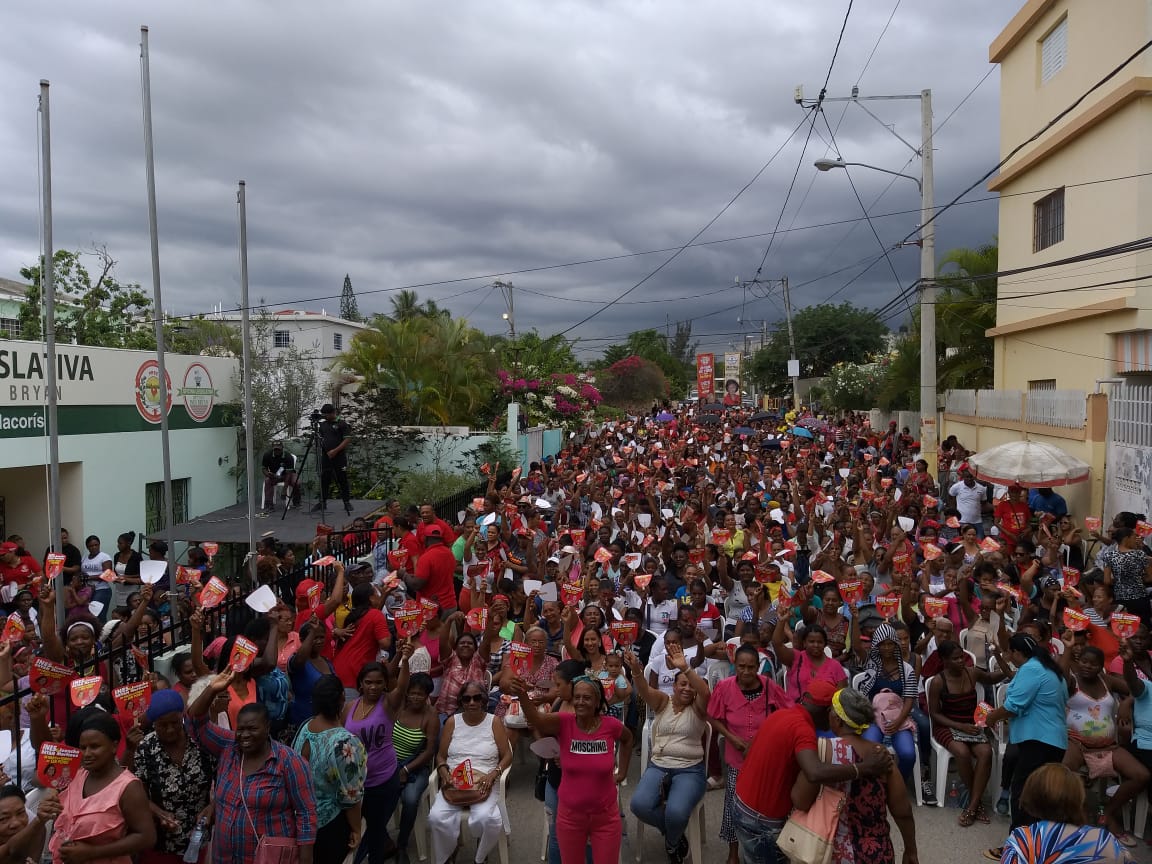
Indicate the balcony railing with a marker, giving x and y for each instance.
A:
(1066, 409)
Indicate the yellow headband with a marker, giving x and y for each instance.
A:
(838, 707)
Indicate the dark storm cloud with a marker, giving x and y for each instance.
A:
(411, 143)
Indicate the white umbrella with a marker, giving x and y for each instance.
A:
(1030, 464)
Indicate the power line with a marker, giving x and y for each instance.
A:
(867, 62)
(694, 237)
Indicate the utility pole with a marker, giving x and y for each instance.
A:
(794, 362)
(928, 432)
(246, 355)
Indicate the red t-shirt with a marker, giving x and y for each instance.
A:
(1013, 518)
(588, 762)
(437, 565)
(770, 766)
(361, 647)
(22, 572)
(445, 530)
(415, 549)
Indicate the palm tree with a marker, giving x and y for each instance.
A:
(966, 309)
(405, 306)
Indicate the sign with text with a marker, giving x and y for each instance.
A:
(705, 372)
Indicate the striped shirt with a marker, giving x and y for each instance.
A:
(279, 797)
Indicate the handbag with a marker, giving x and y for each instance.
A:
(808, 836)
(272, 850)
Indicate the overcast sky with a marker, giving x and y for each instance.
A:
(408, 143)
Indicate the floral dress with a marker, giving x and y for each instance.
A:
(862, 834)
(339, 765)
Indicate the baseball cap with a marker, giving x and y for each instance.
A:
(821, 692)
(7, 547)
(433, 531)
(304, 587)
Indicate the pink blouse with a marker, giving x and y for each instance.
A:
(96, 820)
(803, 673)
(730, 706)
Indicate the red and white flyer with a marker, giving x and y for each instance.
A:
(56, 766)
(49, 678)
(243, 653)
(409, 619)
(132, 700)
(213, 593)
(85, 690)
(625, 632)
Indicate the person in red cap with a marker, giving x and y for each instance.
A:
(15, 567)
(311, 602)
(784, 746)
(428, 521)
(434, 572)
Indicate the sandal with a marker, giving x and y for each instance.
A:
(967, 817)
(982, 815)
(994, 854)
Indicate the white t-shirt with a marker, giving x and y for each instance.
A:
(656, 616)
(968, 501)
(93, 567)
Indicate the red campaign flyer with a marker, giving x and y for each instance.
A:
(1125, 624)
(820, 577)
(243, 653)
(430, 608)
(325, 561)
(888, 607)
(214, 593)
(397, 558)
(572, 593)
(463, 778)
(720, 536)
(852, 592)
(1075, 620)
(49, 678)
(633, 560)
(989, 545)
(764, 575)
(519, 654)
(187, 575)
(696, 556)
(603, 555)
(641, 580)
(57, 765)
(210, 549)
(85, 690)
(477, 619)
(1071, 576)
(108, 576)
(409, 619)
(980, 716)
(54, 565)
(14, 628)
(477, 574)
(624, 632)
(132, 700)
(314, 592)
(578, 537)
(141, 658)
(935, 607)
(1092, 523)
(932, 551)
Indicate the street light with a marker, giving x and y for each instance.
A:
(925, 184)
(829, 164)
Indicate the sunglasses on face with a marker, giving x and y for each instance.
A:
(475, 697)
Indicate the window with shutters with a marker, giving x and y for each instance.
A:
(337, 341)
(1048, 221)
(9, 328)
(1053, 51)
(1041, 384)
(281, 339)
(154, 505)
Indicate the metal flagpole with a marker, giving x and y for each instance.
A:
(246, 355)
(157, 300)
(48, 288)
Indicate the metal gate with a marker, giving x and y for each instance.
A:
(1128, 465)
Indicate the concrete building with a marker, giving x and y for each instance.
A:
(325, 337)
(111, 473)
(1082, 186)
(11, 296)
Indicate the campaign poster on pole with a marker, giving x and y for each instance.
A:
(705, 373)
(732, 378)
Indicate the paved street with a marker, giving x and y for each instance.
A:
(940, 839)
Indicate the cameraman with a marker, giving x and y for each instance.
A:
(335, 436)
(280, 467)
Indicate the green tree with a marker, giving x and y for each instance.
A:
(853, 386)
(825, 335)
(406, 305)
(632, 383)
(349, 309)
(102, 311)
(441, 370)
(533, 356)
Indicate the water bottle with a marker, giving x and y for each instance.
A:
(953, 799)
(195, 841)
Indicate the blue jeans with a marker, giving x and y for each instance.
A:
(410, 794)
(923, 736)
(757, 835)
(686, 788)
(903, 742)
(550, 804)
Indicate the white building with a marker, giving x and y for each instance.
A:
(325, 337)
(111, 469)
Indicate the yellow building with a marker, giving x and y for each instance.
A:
(1075, 190)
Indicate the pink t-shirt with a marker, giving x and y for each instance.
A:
(804, 672)
(588, 763)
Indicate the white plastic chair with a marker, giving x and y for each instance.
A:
(1136, 820)
(502, 801)
(917, 770)
(696, 829)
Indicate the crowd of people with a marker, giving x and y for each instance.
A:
(784, 609)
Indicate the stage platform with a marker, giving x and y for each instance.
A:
(230, 524)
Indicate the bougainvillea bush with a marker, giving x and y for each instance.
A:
(561, 399)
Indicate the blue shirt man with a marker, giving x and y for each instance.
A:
(1047, 501)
